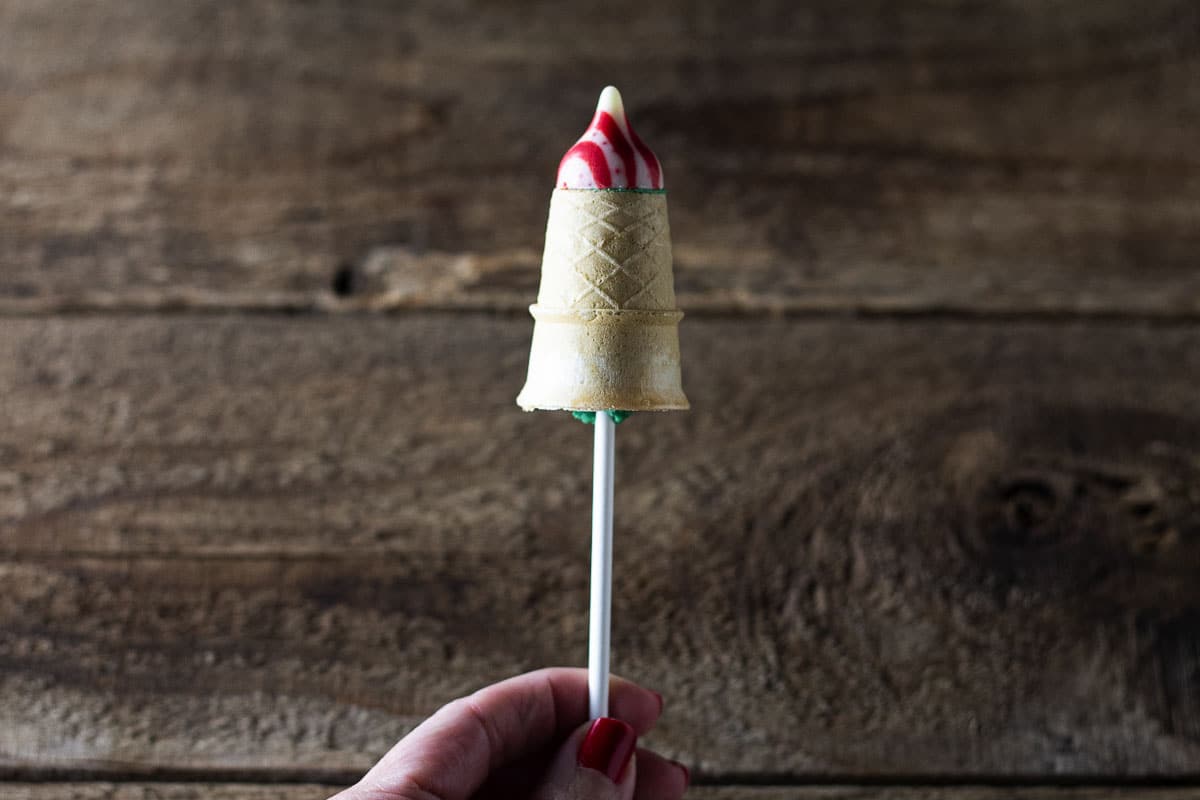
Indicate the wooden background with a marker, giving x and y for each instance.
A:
(931, 531)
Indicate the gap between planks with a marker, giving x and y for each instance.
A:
(324, 308)
(761, 780)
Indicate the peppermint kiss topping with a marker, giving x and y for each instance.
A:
(609, 155)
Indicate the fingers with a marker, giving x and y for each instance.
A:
(659, 778)
(451, 754)
(596, 762)
(629, 702)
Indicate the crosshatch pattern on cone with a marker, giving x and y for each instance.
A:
(605, 332)
(607, 250)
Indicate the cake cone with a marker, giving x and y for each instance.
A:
(605, 333)
(605, 323)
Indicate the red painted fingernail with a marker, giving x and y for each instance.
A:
(608, 747)
(687, 774)
(660, 700)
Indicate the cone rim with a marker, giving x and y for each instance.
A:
(620, 190)
(630, 316)
(685, 405)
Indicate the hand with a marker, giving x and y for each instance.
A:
(528, 738)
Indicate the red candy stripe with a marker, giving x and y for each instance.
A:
(592, 155)
(608, 148)
(608, 126)
(649, 157)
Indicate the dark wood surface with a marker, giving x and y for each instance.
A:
(245, 791)
(934, 518)
(1019, 157)
(936, 549)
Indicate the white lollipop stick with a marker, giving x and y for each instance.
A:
(600, 619)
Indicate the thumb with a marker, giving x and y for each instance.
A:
(595, 763)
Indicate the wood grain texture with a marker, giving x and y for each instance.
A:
(873, 548)
(1023, 157)
(249, 791)
(166, 791)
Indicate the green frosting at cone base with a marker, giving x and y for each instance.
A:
(589, 417)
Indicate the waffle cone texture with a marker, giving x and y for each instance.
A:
(606, 329)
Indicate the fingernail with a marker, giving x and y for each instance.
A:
(687, 774)
(608, 747)
(660, 700)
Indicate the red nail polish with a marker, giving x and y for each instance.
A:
(660, 700)
(608, 747)
(687, 774)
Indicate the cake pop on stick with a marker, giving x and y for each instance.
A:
(605, 335)
(606, 326)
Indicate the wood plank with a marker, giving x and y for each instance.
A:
(165, 791)
(250, 791)
(1026, 157)
(872, 548)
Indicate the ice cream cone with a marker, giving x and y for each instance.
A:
(606, 326)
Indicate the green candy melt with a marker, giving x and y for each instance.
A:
(589, 417)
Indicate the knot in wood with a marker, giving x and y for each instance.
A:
(1022, 513)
